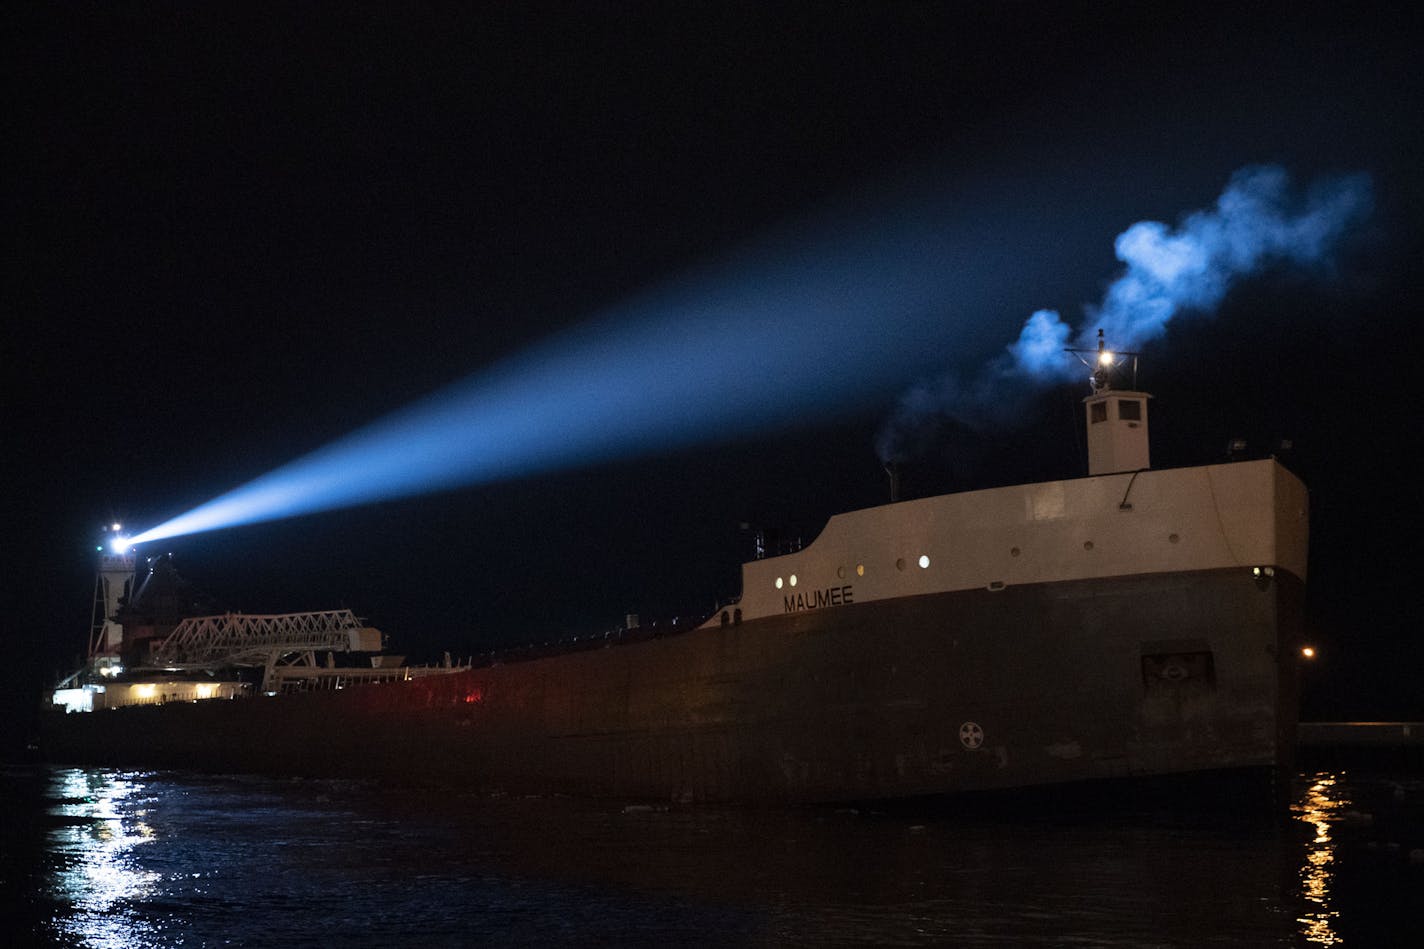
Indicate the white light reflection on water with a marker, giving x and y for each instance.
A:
(1319, 806)
(237, 861)
(97, 873)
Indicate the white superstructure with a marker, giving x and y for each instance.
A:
(1246, 514)
(1124, 519)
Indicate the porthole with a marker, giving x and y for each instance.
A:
(1014, 552)
(793, 579)
(840, 573)
(900, 563)
(778, 583)
(1173, 538)
(924, 561)
(1087, 545)
(860, 570)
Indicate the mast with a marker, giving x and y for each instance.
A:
(113, 583)
(1116, 418)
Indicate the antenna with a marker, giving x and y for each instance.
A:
(1104, 363)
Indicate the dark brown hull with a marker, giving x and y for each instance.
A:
(1029, 685)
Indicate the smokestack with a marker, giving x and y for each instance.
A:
(892, 469)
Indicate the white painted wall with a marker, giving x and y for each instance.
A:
(1244, 514)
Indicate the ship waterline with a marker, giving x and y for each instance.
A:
(944, 693)
(1133, 623)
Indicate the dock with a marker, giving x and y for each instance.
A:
(1390, 745)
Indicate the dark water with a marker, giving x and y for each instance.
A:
(147, 859)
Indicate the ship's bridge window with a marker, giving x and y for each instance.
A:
(1129, 410)
(1098, 412)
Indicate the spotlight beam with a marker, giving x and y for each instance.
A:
(787, 331)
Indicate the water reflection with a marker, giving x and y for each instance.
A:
(97, 873)
(1319, 806)
(234, 856)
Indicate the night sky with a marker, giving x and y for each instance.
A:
(233, 237)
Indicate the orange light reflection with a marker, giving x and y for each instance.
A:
(1319, 807)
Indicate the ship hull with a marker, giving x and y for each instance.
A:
(973, 690)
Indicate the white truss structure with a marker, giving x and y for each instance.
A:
(272, 640)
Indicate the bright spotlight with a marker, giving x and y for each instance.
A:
(119, 544)
(861, 299)
(822, 317)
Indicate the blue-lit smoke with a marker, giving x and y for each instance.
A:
(1258, 221)
(837, 314)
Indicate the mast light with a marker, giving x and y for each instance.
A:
(1104, 362)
